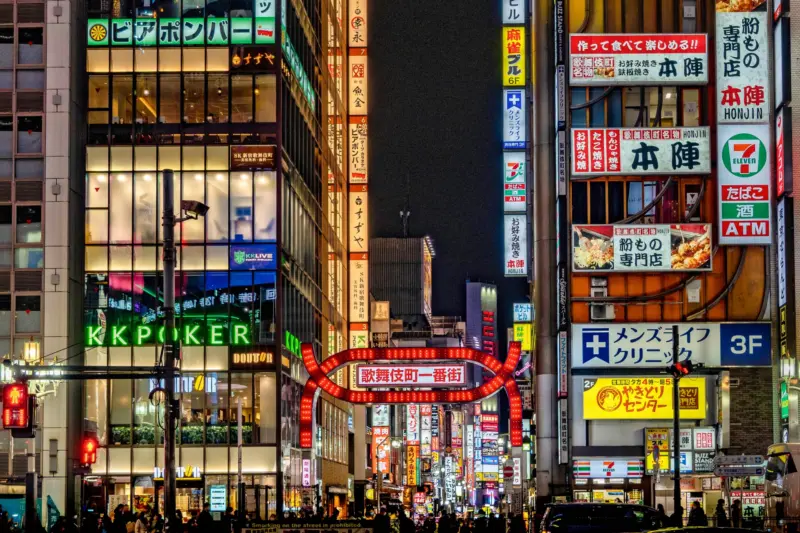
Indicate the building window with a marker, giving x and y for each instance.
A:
(30, 50)
(29, 224)
(29, 135)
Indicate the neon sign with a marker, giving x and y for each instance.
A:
(188, 335)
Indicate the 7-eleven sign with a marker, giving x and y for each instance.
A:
(744, 184)
(744, 155)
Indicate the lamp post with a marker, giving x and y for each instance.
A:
(167, 369)
(676, 424)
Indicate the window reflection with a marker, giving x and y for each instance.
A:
(194, 99)
(146, 99)
(217, 98)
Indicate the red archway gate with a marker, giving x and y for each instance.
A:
(318, 380)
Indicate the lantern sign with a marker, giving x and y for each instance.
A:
(15, 406)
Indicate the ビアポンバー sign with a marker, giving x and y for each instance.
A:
(744, 154)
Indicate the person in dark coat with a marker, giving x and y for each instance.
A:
(697, 517)
(676, 519)
(205, 522)
(736, 513)
(406, 524)
(719, 514)
(382, 524)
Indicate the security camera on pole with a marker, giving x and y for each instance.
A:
(171, 353)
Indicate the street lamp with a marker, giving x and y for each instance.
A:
(192, 210)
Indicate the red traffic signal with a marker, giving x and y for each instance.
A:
(16, 411)
(679, 370)
(88, 451)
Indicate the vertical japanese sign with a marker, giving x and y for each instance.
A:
(563, 432)
(358, 81)
(358, 23)
(513, 11)
(359, 231)
(381, 446)
(514, 189)
(359, 287)
(515, 134)
(642, 59)
(744, 154)
(359, 146)
(412, 458)
(514, 56)
(412, 424)
(742, 68)
(515, 229)
(425, 430)
(783, 152)
(353, 19)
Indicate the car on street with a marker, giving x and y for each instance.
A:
(599, 518)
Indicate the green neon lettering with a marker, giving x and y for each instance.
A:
(162, 334)
(143, 333)
(240, 332)
(189, 338)
(215, 335)
(116, 336)
(93, 335)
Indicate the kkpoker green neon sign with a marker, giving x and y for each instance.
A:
(188, 335)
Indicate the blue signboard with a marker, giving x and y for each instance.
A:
(253, 257)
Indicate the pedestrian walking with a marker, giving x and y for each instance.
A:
(736, 513)
(141, 525)
(697, 516)
(205, 522)
(719, 514)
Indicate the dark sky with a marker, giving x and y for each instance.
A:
(435, 123)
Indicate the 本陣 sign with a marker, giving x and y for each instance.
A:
(644, 59)
(641, 398)
(643, 248)
(742, 68)
(444, 375)
(640, 151)
(638, 345)
(514, 190)
(607, 468)
(514, 56)
(515, 132)
(744, 154)
(515, 228)
(253, 157)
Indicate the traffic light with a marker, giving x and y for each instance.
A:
(680, 370)
(16, 407)
(88, 450)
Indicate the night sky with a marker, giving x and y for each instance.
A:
(435, 124)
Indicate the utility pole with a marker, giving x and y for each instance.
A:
(170, 348)
(676, 423)
(544, 251)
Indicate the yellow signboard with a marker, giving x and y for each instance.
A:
(657, 437)
(641, 398)
(412, 454)
(524, 333)
(514, 56)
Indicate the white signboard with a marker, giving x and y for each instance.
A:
(743, 91)
(563, 432)
(358, 81)
(612, 467)
(739, 471)
(444, 375)
(641, 248)
(412, 424)
(516, 480)
(515, 133)
(738, 460)
(780, 214)
(514, 12)
(640, 151)
(744, 153)
(380, 415)
(649, 345)
(638, 59)
(514, 189)
(358, 23)
(358, 218)
(359, 288)
(306, 473)
(358, 150)
(523, 312)
(515, 231)
(705, 439)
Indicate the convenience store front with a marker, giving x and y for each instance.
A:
(608, 480)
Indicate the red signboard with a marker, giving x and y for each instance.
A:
(15, 406)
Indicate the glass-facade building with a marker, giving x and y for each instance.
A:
(226, 96)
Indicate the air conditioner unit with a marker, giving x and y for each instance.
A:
(600, 311)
